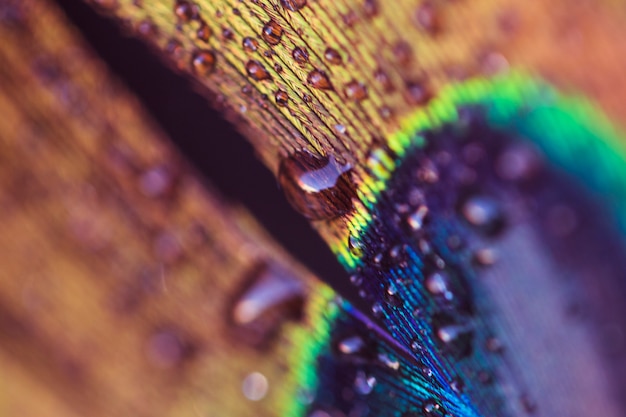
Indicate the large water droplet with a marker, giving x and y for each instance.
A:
(355, 91)
(300, 55)
(417, 218)
(272, 32)
(332, 56)
(250, 44)
(483, 212)
(431, 408)
(455, 337)
(257, 71)
(351, 345)
(293, 5)
(389, 361)
(203, 62)
(282, 98)
(255, 386)
(273, 296)
(318, 79)
(318, 187)
(185, 11)
(363, 383)
(438, 283)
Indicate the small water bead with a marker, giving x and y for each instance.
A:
(417, 218)
(432, 408)
(166, 349)
(370, 8)
(457, 338)
(148, 29)
(418, 93)
(186, 11)
(363, 383)
(356, 280)
(300, 55)
(318, 187)
(519, 162)
(389, 361)
(293, 5)
(493, 344)
(340, 129)
(272, 32)
(438, 283)
(272, 296)
(203, 62)
(250, 44)
(402, 52)
(255, 386)
(457, 385)
(282, 98)
(427, 18)
(204, 32)
(228, 34)
(332, 56)
(351, 345)
(485, 257)
(278, 68)
(257, 71)
(384, 80)
(483, 212)
(355, 91)
(416, 346)
(318, 79)
(377, 309)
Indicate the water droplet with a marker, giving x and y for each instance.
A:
(293, 5)
(185, 11)
(272, 296)
(250, 44)
(281, 97)
(427, 18)
(166, 349)
(457, 338)
(255, 386)
(257, 71)
(418, 93)
(318, 187)
(377, 309)
(157, 181)
(432, 408)
(356, 280)
(228, 34)
(370, 8)
(148, 29)
(363, 383)
(483, 212)
(403, 52)
(494, 345)
(340, 129)
(351, 345)
(278, 68)
(318, 79)
(300, 55)
(332, 56)
(417, 218)
(389, 361)
(204, 32)
(355, 90)
(485, 257)
(528, 405)
(203, 62)
(272, 32)
(416, 346)
(438, 283)
(457, 385)
(519, 162)
(384, 80)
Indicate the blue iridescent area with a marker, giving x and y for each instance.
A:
(495, 268)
